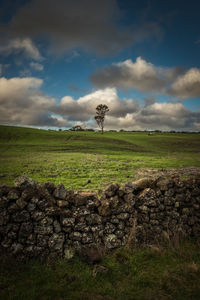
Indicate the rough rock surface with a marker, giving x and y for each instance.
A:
(38, 220)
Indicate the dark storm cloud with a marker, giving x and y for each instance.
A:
(85, 24)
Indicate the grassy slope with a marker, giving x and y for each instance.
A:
(74, 157)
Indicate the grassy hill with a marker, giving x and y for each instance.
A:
(73, 158)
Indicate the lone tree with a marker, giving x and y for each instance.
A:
(101, 111)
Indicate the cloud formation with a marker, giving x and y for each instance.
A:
(85, 107)
(140, 75)
(17, 45)
(90, 25)
(158, 116)
(187, 85)
(146, 77)
(23, 103)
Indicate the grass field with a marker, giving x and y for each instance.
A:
(73, 158)
(164, 274)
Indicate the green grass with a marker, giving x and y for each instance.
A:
(74, 157)
(172, 273)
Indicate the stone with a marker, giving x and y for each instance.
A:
(87, 238)
(143, 208)
(152, 203)
(62, 203)
(13, 208)
(4, 217)
(13, 195)
(114, 220)
(82, 227)
(91, 205)
(114, 201)
(164, 183)
(119, 234)
(147, 194)
(25, 229)
(56, 242)
(69, 253)
(111, 190)
(111, 241)
(31, 239)
(23, 182)
(56, 226)
(28, 193)
(4, 189)
(42, 240)
(169, 193)
(129, 198)
(186, 211)
(123, 216)
(31, 207)
(3, 202)
(109, 228)
(121, 225)
(93, 219)
(75, 236)
(46, 221)
(21, 216)
(82, 198)
(60, 192)
(42, 230)
(143, 183)
(104, 209)
(49, 186)
(196, 206)
(42, 204)
(68, 222)
(17, 248)
(21, 203)
(38, 215)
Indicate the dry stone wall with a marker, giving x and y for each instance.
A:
(38, 220)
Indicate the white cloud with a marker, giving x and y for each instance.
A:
(146, 77)
(85, 106)
(21, 102)
(17, 45)
(140, 75)
(36, 66)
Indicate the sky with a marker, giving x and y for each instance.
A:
(60, 59)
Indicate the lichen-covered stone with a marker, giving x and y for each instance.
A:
(111, 241)
(24, 182)
(60, 192)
